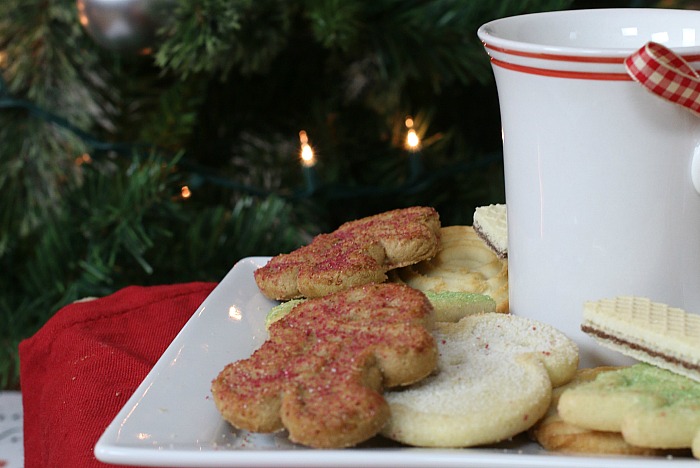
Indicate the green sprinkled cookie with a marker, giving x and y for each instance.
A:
(280, 310)
(450, 306)
(650, 406)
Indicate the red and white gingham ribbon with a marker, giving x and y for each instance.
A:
(665, 74)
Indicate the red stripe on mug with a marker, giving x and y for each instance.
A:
(557, 57)
(562, 73)
(571, 58)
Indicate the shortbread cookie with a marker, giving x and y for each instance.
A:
(648, 331)
(491, 224)
(556, 435)
(464, 263)
(494, 380)
(650, 406)
(358, 252)
(321, 372)
(449, 306)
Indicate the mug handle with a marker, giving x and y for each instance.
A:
(695, 170)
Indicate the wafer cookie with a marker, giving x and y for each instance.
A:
(649, 331)
(491, 224)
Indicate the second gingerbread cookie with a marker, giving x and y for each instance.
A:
(358, 252)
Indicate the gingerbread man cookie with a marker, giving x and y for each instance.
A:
(322, 371)
(358, 252)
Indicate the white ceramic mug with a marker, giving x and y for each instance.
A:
(600, 174)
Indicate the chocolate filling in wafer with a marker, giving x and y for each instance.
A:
(619, 341)
(482, 235)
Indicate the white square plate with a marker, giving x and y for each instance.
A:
(171, 419)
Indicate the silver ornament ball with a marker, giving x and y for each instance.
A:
(125, 26)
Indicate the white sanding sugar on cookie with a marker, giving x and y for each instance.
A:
(494, 380)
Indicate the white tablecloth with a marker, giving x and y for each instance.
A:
(11, 439)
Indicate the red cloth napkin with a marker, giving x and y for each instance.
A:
(82, 366)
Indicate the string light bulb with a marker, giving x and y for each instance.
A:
(412, 138)
(308, 159)
(413, 145)
(83, 159)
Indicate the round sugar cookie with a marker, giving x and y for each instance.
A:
(494, 380)
(463, 263)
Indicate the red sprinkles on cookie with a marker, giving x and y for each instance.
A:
(358, 252)
(322, 371)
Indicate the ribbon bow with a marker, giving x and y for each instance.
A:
(665, 74)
